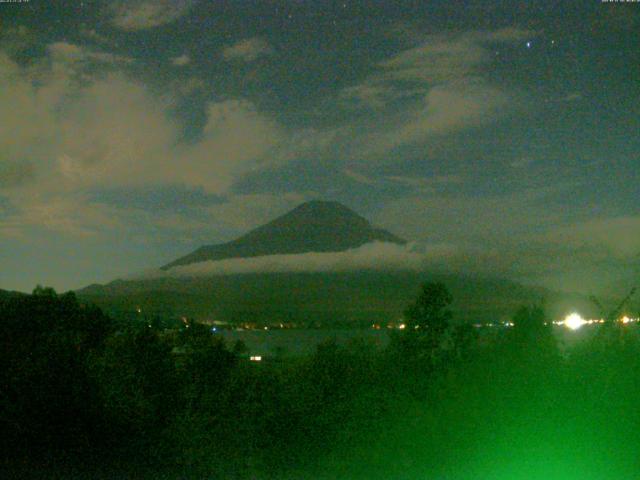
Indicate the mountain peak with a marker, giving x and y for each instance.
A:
(314, 226)
(322, 205)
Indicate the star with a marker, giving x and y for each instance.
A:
(528, 44)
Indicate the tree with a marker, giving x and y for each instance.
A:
(44, 291)
(426, 324)
(532, 332)
(430, 312)
(47, 398)
(529, 321)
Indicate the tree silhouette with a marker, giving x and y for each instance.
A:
(532, 332)
(430, 312)
(529, 321)
(426, 323)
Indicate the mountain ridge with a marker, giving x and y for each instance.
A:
(314, 226)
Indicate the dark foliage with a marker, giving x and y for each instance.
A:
(85, 397)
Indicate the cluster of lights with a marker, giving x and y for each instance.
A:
(399, 326)
(574, 321)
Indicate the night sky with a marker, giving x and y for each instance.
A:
(506, 132)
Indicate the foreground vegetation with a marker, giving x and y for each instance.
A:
(86, 396)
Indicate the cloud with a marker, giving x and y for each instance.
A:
(474, 219)
(247, 50)
(16, 39)
(424, 184)
(8, 212)
(619, 236)
(6, 207)
(437, 87)
(93, 34)
(360, 178)
(69, 52)
(572, 97)
(110, 130)
(525, 235)
(143, 14)
(236, 139)
(371, 256)
(436, 60)
(181, 60)
(163, 198)
(85, 125)
(15, 173)
(70, 215)
(370, 95)
(445, 109)
(440, 58)
(535, 263)
(113, 132)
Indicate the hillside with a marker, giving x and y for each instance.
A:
(356, 298)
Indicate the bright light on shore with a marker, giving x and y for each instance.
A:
(574, 321)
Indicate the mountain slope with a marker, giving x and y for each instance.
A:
(316, 226)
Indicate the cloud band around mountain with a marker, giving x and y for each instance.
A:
(371, 256)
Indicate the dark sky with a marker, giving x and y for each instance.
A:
(504, 131)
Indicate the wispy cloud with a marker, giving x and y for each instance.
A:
(247, 50)
(572, 97)
(436, 60)
(140, 15)
(181, 60)
(360, 177)
(423, 184)
(69, 52)
(445, 109)
(434, 88)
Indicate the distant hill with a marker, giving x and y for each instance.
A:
(316, 226)
(353, 298)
